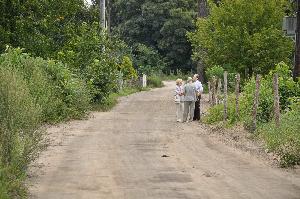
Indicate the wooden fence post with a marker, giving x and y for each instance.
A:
(214, 90)
(237, 93)
(276, 101)
(209, 93)
(256, 102)
(219, 91)
(225, 96)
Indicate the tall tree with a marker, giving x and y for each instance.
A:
(161, 25)
(243, 36)
(202, 13)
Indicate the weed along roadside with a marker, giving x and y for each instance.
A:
(268, 107)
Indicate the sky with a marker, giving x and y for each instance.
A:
(88, 2)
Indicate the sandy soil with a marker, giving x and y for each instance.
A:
(138, 151)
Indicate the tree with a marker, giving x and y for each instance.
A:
(161, 25)
(243, 36)
(202, 13)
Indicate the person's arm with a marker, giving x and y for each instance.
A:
(177, 91)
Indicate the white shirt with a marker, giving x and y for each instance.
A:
(178, 91)
(199, 87)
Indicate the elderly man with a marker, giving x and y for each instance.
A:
(199, 89)
(189, 92)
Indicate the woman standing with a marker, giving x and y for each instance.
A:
(179, 100)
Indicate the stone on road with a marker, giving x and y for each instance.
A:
(138, 151)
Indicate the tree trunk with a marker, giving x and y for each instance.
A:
(202, 8)
(202, 13)
(296, 71)
(108, 12)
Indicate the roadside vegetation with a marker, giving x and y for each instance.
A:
(227, 41)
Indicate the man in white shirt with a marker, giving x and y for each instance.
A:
(199, 89)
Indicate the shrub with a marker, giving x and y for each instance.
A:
(127, 69)
(285, 140)
(94, 57)
(287, 88)
(154, 81)
(148, 60)
(216, 71)
(19, 135)
(54, 88)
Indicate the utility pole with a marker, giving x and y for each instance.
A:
(102, 13)
(296, 71)
(202, 13)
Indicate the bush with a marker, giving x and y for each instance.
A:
(54, 88)
(285, 140)
(95, 57)
(148, 60)
(287, 88)
(32, 91)
(154, 81)
(20, 120)
(216, 71)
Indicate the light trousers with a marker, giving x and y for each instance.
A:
(179, 111)
(188, 111)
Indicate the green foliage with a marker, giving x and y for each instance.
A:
(41, 27)
(216, 71)
(32, 91)
(96, 58)
(148, 60)
(287, 89)
(285, 139)
(242, 36)
(154, 82)
(161, 25)
(127, 69)
(55, 89)
(19, 134)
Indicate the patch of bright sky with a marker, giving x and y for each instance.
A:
(88, 2)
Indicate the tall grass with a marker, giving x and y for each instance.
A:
(33, 91)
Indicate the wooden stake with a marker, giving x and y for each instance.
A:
(256, 102)
(237, 93)
(276, 101)
(225, 96)
(219, 91)
(209, 93)
(214, 90)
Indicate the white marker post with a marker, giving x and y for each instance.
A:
(144, 81)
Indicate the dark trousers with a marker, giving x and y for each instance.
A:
(197, 109)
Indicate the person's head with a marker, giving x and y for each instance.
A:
(178, 82)
(189, 80)
(195, 77)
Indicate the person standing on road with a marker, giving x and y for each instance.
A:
(189, 93)
(199, 89)
(179, 100)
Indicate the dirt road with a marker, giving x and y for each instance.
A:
(118, 155)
